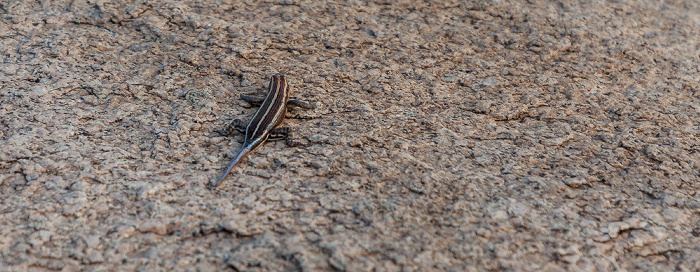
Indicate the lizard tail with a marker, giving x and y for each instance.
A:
(241, 154)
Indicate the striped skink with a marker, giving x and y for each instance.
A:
(266, 120)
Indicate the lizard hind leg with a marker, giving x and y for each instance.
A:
(240, 125)
(237, 124)
(284, 133)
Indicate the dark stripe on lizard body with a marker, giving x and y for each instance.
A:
(268, 117)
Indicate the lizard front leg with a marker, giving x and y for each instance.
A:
(255, 101)
(300, 104)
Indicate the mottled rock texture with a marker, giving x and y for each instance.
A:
(449, 136)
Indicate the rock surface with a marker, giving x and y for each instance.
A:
(449, 136)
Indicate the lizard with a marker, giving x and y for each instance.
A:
(266, 121)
